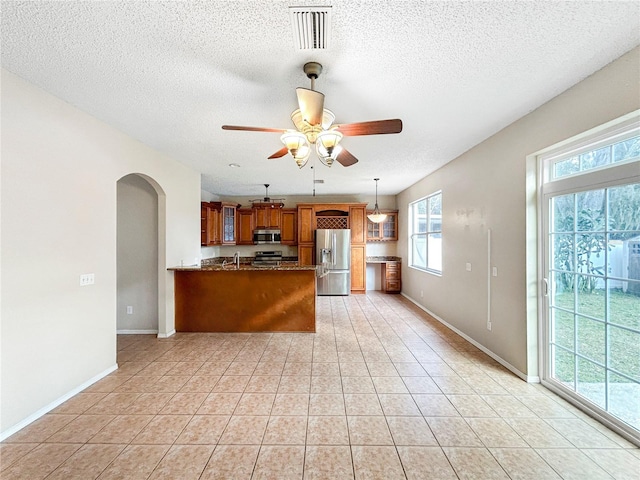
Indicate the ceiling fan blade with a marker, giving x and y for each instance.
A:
(280, 153)
(253, 129)
(376, 127)
(311, 105)
(345, 158)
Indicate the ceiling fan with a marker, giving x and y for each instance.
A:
(314, 125)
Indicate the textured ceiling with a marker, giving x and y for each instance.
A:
(171, 73)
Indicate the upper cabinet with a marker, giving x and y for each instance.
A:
(357, 219)
(217, 223)
(204, 228)
(289, 226)
(249, 219)
(245, 226)
(386, 231)
(306, 224)
(228, 224)
(267, 216)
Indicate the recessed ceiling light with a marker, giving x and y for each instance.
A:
(234, 165)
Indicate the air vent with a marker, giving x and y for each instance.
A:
(311, 27)
(318, 181)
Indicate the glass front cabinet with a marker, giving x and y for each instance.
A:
(386, 231)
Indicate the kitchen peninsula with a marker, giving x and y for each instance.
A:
(217, 298)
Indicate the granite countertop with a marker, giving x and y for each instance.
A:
(243, 267)
(383, 259)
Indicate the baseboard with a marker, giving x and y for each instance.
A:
(137, 332)
(46, 409)
(497, 358)
(166, 335)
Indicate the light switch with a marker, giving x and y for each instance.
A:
(494, 272)
(468, 267)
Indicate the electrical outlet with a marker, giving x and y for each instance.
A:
(87, 279)
(129, 310)
(468, 267)
(489, 326)
(421, 294)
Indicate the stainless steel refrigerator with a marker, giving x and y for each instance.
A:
(333, 259)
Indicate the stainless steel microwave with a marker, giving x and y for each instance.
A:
(267, 235)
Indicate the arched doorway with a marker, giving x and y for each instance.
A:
(139, 257)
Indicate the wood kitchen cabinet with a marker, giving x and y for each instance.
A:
(213, 225)
(306, 224)
(245, 225)
(217, 223)
(210, 227)
(267, 216)
(386, 231)
(228, 224)
(391, 278)
(358, 269)
(289, 226)
(357, 224)
(204, 229)
(306, 227)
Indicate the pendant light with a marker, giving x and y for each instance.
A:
(376, 216)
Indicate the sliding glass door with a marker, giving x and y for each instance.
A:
(592, 285)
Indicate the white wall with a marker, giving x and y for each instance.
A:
(137, 256)
(487, 188)
(60, 167)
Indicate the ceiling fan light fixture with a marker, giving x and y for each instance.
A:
(329, 159)
(314, 123)
(327, 143)
(328, 118)
(311, 131)
(298, 147)
(301, 161)
(376, 216)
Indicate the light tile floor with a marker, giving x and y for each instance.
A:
(381, 391)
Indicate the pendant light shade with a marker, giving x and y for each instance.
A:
(327, 146)
(376, 216)
(298, 147)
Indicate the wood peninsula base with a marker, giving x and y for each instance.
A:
(245, 300)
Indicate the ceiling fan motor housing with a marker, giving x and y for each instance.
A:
(312, 69)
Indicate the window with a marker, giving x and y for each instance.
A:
(425, 233)
(624, 147)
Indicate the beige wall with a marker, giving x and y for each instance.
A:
(60, 167)
(486, 188)
(137, 256)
